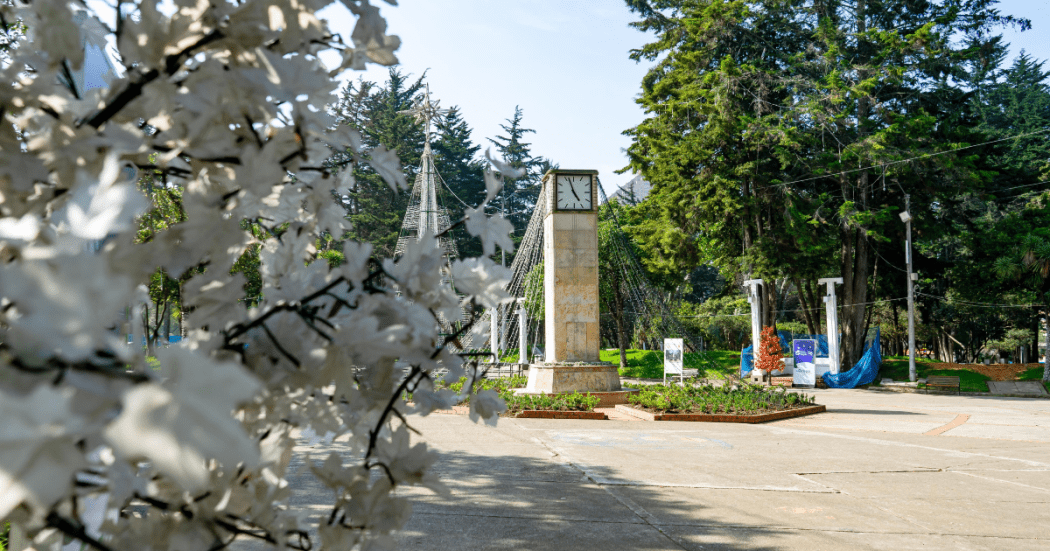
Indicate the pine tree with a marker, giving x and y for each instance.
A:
(518, 198)
(374, 209)
(456, 157)
(1019, 104)
(763, 116)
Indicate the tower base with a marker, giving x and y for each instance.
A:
(600, 379)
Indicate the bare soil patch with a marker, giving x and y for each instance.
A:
(998, 372)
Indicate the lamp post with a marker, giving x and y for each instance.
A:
(906, 218)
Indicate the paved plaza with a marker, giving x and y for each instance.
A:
(877, 471)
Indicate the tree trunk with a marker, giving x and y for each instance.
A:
(769, 304)
(146, 331)
(817, 313)
(1046, 353)
(1035, 334)
(855, 251)
(855, 265)
(167, 322)
(808, 311)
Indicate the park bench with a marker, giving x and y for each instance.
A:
(943, 381)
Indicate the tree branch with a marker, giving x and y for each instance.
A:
(74, 530)
(134, 88)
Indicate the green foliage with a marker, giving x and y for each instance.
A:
(556, 402)
(519, 195)
(500, 385)
(761, 114)
(374, 210)
(969, 381)
(695, 398)
(456, 157)
(1014, 338)
(515, 402)
(534, 293)
(5, 532)
(896, 368)
(248, 265)
(649, 364)
(1015, 102)
(1034, 374)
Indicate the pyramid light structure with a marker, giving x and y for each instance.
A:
(425, 215)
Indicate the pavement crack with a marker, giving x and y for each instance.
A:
(627, 502)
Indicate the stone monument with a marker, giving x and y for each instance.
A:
(570, 279)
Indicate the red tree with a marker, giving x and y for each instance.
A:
(769, 353)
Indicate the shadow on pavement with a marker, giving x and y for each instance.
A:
(507, 502)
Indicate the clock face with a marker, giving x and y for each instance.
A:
(573, 192)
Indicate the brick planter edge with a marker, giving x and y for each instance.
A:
(548, 414)
(720, 418)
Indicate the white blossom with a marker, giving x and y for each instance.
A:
(493, 230)
(226, 102)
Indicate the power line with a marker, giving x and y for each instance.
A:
(923, 156)
(979, 304)
(797, 309)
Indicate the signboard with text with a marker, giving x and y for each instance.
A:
(805, 351)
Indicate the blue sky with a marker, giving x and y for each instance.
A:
(563, 61)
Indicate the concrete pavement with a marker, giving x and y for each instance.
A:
(877, 471)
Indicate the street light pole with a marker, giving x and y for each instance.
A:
(906, 217)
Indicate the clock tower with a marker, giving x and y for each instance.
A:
(570, 292)
(570, 266)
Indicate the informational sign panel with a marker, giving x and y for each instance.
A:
(805, 351)
(673, 363)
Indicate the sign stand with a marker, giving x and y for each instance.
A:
(673, 360)
(805, 351)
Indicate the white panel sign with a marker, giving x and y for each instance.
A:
(673, 362)
(805, 351)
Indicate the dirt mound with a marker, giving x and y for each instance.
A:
(998, 372)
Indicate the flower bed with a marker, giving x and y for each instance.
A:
(526, 405)
(548, 402)
(711, 400)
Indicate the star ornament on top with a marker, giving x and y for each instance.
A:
(426, 110)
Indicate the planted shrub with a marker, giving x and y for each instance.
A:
(746, 399)
(519, 402)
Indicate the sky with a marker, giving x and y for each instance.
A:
(564, 62)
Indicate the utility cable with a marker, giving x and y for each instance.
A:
(891, 163)
(979, 304)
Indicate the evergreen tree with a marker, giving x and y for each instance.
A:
(374, 209)
(456, 157)
(1019, 105)
(518, 198)
(765, 116)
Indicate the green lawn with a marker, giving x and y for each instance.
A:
(1034, 374)
(649, 364)
(969, 381)
(896, 368)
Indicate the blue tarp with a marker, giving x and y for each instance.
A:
(171, 339)
(863, 373)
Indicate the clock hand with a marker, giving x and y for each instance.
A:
(572, 188)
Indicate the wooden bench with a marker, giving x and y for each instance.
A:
(943, 381)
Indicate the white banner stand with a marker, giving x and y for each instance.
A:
(673, 358)
(805, 352)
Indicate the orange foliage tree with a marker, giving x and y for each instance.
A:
(769, 353)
